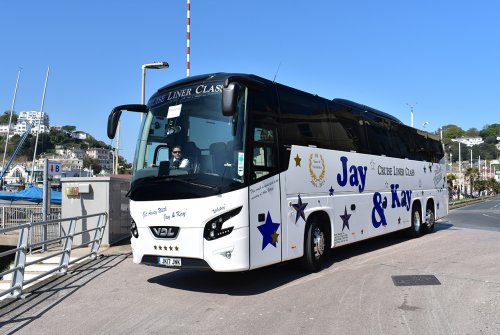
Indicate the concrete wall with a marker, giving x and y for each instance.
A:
(85, 196)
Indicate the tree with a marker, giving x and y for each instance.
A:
(452, 131)
(68, 129)
(490, 131)
(92, 163)
(471, 174)
(481, 185)
(4, 118)
(472, 132)
(485, 150)
(44, 143)
(496, 186)
(123, 166)
(57, 136)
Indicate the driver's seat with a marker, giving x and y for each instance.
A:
(192, 152)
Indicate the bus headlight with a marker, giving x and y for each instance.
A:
(213, 228)
(133, 228)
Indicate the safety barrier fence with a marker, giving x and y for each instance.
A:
(15, 215)
(65, 240)
(11, 216)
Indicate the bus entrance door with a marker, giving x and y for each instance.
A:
(264, 196)
(265, 225)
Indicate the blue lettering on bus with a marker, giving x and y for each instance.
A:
(404, 201)
(394, 194)
(398, 201)
(378, 210)
(357, 175)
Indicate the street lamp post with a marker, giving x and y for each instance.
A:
(459, 158)
(460, 169)
(451, 162)
(154, 65)
(411, 112)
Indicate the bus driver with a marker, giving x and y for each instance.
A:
(177, 161)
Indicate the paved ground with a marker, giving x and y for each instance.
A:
(354, 294)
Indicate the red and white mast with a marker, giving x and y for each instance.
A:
(188, 37)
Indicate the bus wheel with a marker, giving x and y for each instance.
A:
(314, 247)
(416, 222)
(429, 220)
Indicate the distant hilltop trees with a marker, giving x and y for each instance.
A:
(56, 139)
(489, 149)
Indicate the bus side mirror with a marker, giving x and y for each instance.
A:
(113, 119)
(115, 114)
(230, 98)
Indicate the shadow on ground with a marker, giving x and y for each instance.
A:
(264, 279)
(15, 314)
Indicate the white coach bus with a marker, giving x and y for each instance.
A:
(274, 174)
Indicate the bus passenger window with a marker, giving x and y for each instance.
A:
(263, 135)
(263, 160)
(263, 156)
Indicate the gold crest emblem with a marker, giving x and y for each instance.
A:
(317, 169)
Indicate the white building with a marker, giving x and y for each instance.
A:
(70, 153)
(39, 120)
(4, 129)
(104, 156)
(81, 135)
(469, 141)
(16, 176)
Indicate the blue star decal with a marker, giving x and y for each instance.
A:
(299, 210)
(331, 190)
(269, 231)
(345, 219)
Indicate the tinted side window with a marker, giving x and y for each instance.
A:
(421, 150)
(436, 149)
(378, 131)
(401, 140)
(263, 155)
(347, 129)
(303, 118)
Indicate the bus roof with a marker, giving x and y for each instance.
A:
(353, 104)
(223, 75)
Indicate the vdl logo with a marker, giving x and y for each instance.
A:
(165, 232)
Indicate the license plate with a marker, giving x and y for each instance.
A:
(167, 261)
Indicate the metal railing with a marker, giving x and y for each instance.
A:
(23, 245)
(11, 216)
(15, 215)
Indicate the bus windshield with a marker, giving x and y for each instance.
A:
(186, 138)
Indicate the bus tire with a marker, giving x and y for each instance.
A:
(430, 218)
(314, 247)
(416, 222)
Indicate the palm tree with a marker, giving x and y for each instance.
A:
(471, 174)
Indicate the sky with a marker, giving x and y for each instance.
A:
(440, 56)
